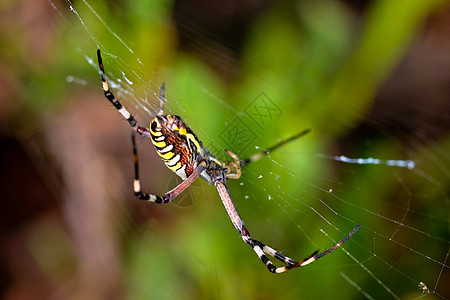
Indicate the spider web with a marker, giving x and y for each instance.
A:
(305, 196)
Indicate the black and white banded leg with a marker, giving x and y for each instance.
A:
(260, 248)
(239, 163)
(111, 98)
(170, 195)
(261, 154)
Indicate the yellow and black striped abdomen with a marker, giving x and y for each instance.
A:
(175, 143)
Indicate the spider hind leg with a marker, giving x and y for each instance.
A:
(170, 195)
(261, 249)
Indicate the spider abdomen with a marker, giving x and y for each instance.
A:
(176, 144)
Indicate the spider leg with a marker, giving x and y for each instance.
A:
(236, 165)
(313, 257)
(161, 99)
(170, 195)
(259, 247)
(123, 111)
(261, 154)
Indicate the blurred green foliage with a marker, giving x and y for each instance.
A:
(323, 71)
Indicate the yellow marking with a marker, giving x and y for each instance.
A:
(167, 155)
(192, 138)
(105, 86)
(182, 131)
(155, 133)
(216, 161)
(176, 167)
(159, 144)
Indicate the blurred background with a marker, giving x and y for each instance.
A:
(370, 78)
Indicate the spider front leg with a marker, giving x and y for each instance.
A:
(236, 165)
(122, 110)
(170, 195)
(261, 154)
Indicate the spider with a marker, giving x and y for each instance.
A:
(184, 154)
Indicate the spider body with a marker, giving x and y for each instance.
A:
(176, 144)
(184, 154)
(181, 150)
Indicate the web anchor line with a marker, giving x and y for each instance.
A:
(409, 164)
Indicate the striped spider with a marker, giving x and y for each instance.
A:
(184, 154)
